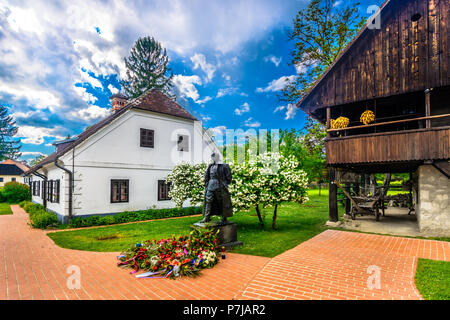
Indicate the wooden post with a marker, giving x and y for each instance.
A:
(427, 108)
(328, 120)
(347, 200)
(332, 198)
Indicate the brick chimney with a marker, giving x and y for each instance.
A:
(118, 101)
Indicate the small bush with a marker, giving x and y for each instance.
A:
(133, 216)
(43, 220)
(39, 217)
(15, 192)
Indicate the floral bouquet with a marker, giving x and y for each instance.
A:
(173, 257)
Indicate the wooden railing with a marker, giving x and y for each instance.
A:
(410, 145)
(390, 122)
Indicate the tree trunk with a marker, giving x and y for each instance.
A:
(259, 215)
(274, 216)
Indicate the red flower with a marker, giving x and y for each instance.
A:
(155, 268)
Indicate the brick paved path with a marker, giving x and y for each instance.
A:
(33, 267)
(333, 265)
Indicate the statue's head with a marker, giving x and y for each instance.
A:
(215, 157)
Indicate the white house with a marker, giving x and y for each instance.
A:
(121, 162)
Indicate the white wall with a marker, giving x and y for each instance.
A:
(433, 208)
(93, 190)
(114, 152)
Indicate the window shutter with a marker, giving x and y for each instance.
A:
(147, 138)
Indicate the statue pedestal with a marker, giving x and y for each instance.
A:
(227, 235)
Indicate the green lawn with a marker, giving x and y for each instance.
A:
(296, 223)
(433, 279)
(5, 208)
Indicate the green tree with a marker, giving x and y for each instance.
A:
(147, 68)
(321, 32)
(9, 147)
(37, 159)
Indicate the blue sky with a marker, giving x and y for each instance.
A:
(60, 61)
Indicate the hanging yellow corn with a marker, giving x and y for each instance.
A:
(367, 117)
(339, 123)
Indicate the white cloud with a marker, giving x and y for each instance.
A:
(219, 130)
(205, 118)
(86, 96)
(204, 100)
(113, 89)
(35, 96)
(32, 153)
(291, 111)
(87, 78)
(275, 60)
(90, 113)
(277, 84)
(36, 135)
(45, 44)
(225, 92)
(279, 108)
(186, 86)
(252, 123)
(242, 109)
(199, 61)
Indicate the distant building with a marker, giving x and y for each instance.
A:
(121, 163)
(11, 170)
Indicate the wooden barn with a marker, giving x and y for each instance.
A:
(398, 77)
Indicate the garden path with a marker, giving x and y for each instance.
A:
(332, 265)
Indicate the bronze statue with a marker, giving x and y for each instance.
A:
(217, 198)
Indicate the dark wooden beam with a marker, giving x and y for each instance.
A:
(328, 120)
(427, 107)
(332, 198)
(347, 200)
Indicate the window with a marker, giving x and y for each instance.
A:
(55, 191)
(183, 143)
(49, 190)
(1, 179)
(35, 185)
(13, 179)
(147, 138)
(38, 187)
(163, 190)
(119, 191)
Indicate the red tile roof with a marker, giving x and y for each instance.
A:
(153, 100)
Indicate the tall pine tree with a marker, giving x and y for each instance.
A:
(9, 147)
(147, 69)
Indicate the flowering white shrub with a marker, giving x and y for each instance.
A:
(267, 180)
(188, 183)
(264, 180)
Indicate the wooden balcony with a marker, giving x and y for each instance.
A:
(399, 146)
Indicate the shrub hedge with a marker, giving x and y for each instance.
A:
(14, 192)
(132, 216)
(39, 217)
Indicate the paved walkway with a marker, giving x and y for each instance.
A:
(333, 265)
(33, 267)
